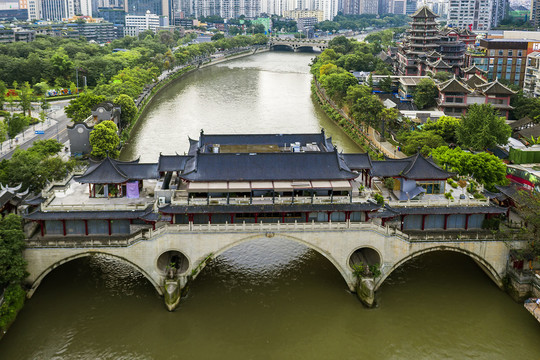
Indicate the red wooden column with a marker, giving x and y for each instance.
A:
(42, 225)
(307, 216)
(64, 226)
(467, 222)
(445, 221)
(256, 218)
(110, 227)
(329, 212)
(210, 218)
(85, 227)
(423, 221)
(232, 218)
(282, 217)
(366, 216)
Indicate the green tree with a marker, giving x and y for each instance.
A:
(104, 140)
(16, 124)
(12, 263)
(487, 169)
(388, 119)
(25, 96)
(217, 36)
(364, 107)
(385, 84)
(482, 128)
(128, 109)
(445, 126)
(80, 107)
(337, 84)
(423, 141)
(425, 94)
(3, 90)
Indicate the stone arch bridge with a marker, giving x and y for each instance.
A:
(341, 243)
(298, 44)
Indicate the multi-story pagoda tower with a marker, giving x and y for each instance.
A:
(422, 38)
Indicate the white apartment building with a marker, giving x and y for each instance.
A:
(136, 24)
(531, 83)
(369, 7)
(480, 15)
(58, 10)
(298, 14)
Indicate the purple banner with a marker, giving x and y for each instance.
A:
(132, 190)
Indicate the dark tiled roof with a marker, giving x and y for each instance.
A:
(217, 209)
(107, 105)
(453, 85)
(421, 168)
(36, 200)
(439, 64)
(358, 161)
(474, 81)
(528, 132)
(424, 12)
(495, 88)
(110, 171)
(388, 168)
(473, 70)
(509, 191)
(172, 162)
(521, 122)
(88, 215)
(415, 167)
(267, 166)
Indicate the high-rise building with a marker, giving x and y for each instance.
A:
(369, 6)
(397, 7)
(136, 24)
(535, 13)
(57, 9)
(481, 15)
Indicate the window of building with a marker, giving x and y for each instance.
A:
(491, 52)
(520, 53)
(500, 52)
(510, 53)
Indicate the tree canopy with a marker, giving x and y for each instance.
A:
(426, 93)
(80, 107)
(487, 169)
(482, 127)
(105, 140)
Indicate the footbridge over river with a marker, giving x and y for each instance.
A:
(190, 246)
(297, 44)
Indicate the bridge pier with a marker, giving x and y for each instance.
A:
(173, 255)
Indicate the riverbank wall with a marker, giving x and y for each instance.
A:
(366, 139)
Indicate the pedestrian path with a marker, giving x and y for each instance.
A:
(33, 131)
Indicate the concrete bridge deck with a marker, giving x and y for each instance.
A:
(297, 44)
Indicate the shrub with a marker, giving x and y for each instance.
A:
(379, 199)
(13, 302)
(491, 224)
(389, 183)
(448, 195)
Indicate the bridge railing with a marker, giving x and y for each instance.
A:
(261, 227)
(440, 202)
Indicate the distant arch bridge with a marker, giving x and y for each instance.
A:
(297, 44)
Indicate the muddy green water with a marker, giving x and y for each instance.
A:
(267, 298)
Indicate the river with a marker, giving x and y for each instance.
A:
(267, 298)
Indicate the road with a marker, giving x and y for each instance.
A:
(56, 129)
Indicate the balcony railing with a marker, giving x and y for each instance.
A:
(268, 200)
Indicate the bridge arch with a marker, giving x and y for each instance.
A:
(65, 260)
(365, 253)
(175, 256)
(484, 265)
(282, 47)
(342, 268)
